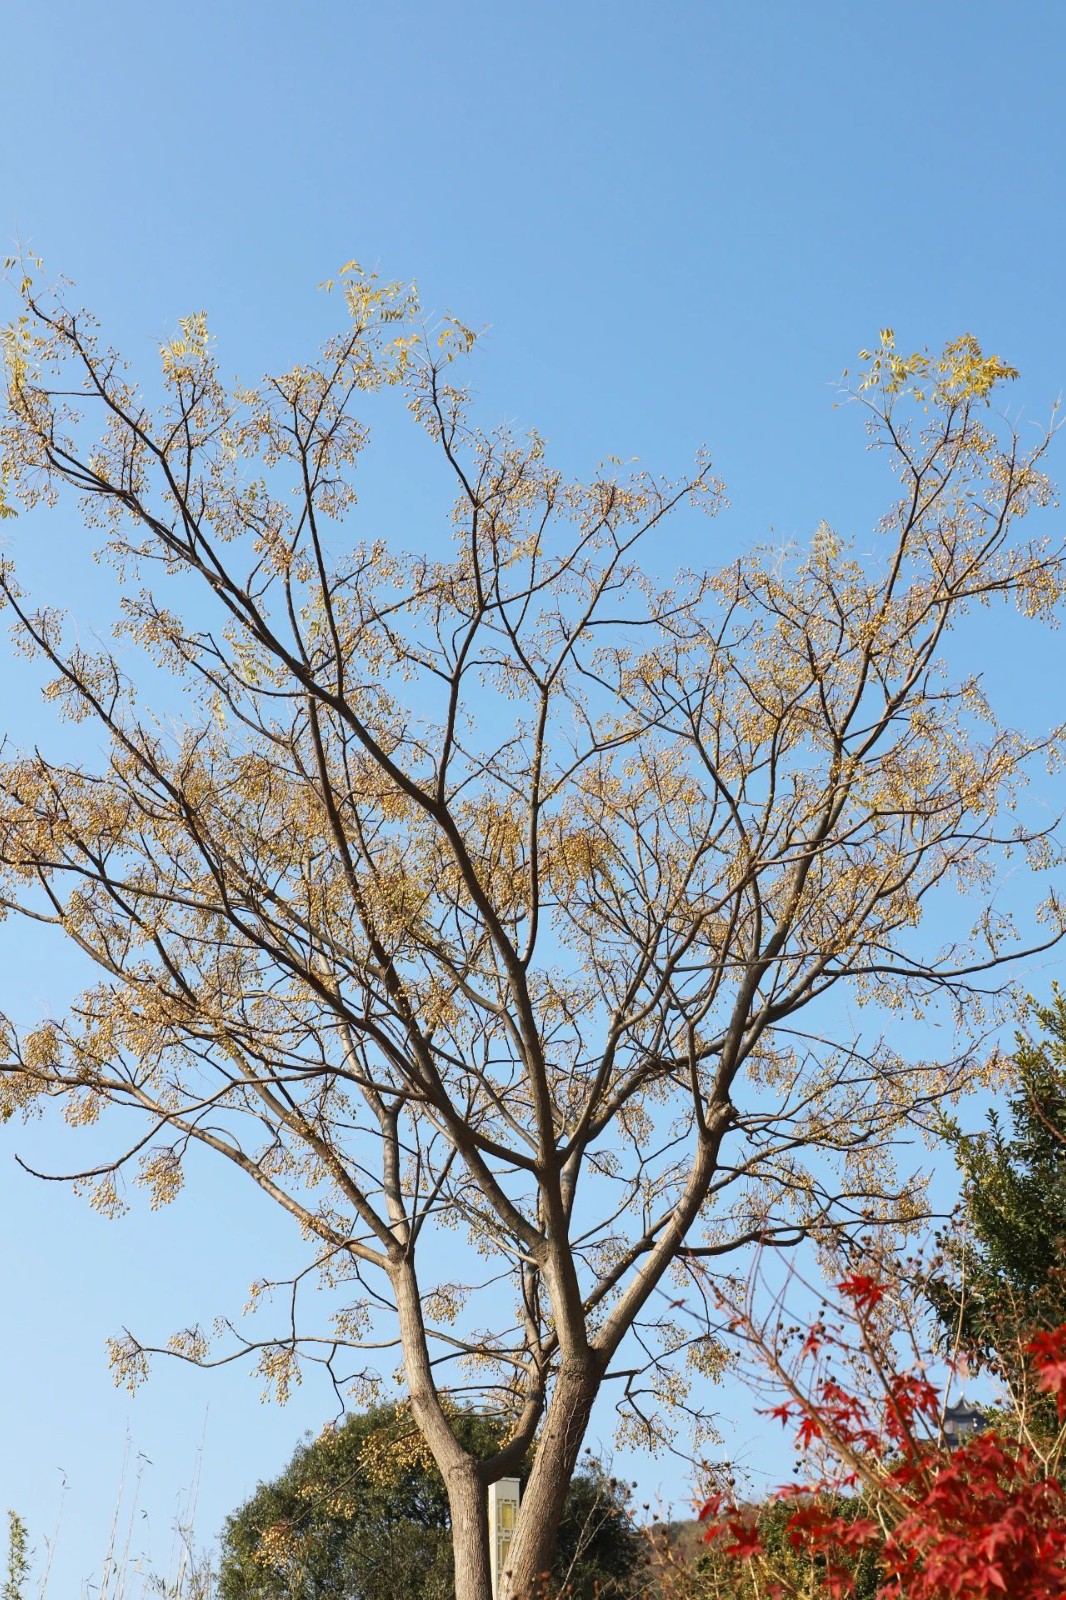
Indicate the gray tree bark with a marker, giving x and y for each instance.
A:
(468, 1503)
(544, 1498)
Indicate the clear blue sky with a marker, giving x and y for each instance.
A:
(679, 221)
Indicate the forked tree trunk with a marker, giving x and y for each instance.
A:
(544, 1498)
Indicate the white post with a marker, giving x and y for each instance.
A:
(503, 1515)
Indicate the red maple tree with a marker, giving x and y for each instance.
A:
(983, 1521)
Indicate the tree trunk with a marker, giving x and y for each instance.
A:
(467, 1494)
(544, 1499)
(469, 1505)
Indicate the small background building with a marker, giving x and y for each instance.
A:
(961, 1422)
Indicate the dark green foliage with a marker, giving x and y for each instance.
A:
(361, 1514)
(864, 1565)
(326, 1526)
(716, 1576)
(1005, 1265)
(597, 1543)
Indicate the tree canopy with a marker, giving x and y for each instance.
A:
(1005, 1276)
(483, 903)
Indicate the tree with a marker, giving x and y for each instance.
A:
(889, 1510)
(1005, 1277)
(500, 888)
(361, 1513)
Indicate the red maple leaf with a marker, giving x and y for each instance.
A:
(1048, 1351)
(863, 1290)
(814, 1341)
(807, 1430)
(746, 1541)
